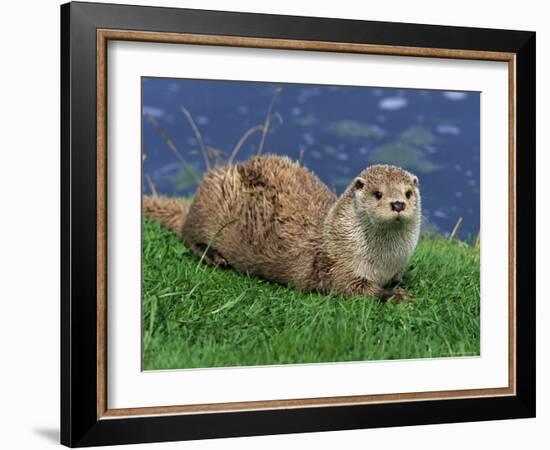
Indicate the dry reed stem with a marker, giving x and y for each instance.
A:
(243, 139)
(151, 185)
(198, 135)
(168, 141)
(268, 119)
(277, 116)
(455, 229)
(302, 152)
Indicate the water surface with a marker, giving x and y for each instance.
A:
(336, 131)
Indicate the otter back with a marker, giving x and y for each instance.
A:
(264, 216)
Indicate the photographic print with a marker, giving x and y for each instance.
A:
(272, 224)
(293, 223)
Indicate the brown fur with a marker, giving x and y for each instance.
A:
(170, 212)
(274, 218)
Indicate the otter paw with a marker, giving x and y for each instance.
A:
(211, 256)
(404, 297)
(397, 297)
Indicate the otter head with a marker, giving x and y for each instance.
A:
(386, 195)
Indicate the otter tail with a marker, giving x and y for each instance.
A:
(169, 212)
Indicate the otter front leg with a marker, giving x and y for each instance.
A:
(396, 279)
(366, 287)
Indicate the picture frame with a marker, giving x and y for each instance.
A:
(86, 29)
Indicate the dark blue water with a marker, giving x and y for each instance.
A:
(335, 131)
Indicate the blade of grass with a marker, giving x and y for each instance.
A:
(231, 222)
(230, 303)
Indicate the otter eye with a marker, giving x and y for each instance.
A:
(377, 194)
(408, 194)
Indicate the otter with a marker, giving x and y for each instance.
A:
(274, 218)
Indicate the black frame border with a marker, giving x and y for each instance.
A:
(79, 423)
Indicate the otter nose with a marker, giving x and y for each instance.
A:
(397, 206)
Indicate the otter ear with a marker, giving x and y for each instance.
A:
(358, 183)
(415, 181)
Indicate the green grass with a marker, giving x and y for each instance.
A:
(199, 316)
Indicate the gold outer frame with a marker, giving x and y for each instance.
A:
(104, 35)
